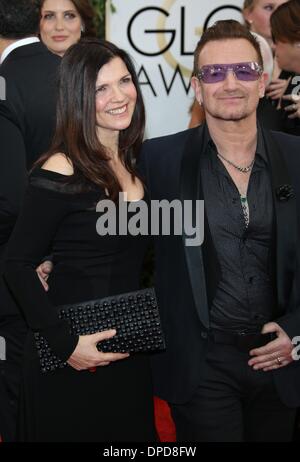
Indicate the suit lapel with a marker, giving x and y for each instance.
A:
(286, 221)
(190, 189)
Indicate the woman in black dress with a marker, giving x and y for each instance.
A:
(100, 123)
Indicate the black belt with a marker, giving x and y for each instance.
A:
(243, 341)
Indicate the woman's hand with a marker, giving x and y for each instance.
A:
(43, 272)
(293, 108)
(87, 356)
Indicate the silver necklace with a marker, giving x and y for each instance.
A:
(240, 169)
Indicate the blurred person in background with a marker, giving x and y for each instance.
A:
(64, 22)
(257, 14)
(285, 24)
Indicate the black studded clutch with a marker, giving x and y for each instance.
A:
(134, 315)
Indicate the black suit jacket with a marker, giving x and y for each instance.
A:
(186, 277)
(27, 122)
(30, 72)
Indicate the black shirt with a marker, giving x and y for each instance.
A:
(244, 299)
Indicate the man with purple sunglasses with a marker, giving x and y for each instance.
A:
(230, 307)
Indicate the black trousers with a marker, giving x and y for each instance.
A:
(233, 403)
(13, 330)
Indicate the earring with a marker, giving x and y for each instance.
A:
(82, 28)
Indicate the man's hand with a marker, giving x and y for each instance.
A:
(43, 272)
(274, 354)
(87, 356)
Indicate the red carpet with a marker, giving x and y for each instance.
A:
(163, 421)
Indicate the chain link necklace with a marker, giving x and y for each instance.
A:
(240, 169)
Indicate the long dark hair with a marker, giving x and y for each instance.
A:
(87, 14)
(75, 134)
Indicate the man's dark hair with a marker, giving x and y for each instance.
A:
(19, 18)
(228, 29)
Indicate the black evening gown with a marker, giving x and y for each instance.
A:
(115, 402)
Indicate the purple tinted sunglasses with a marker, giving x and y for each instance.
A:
(213, 73)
